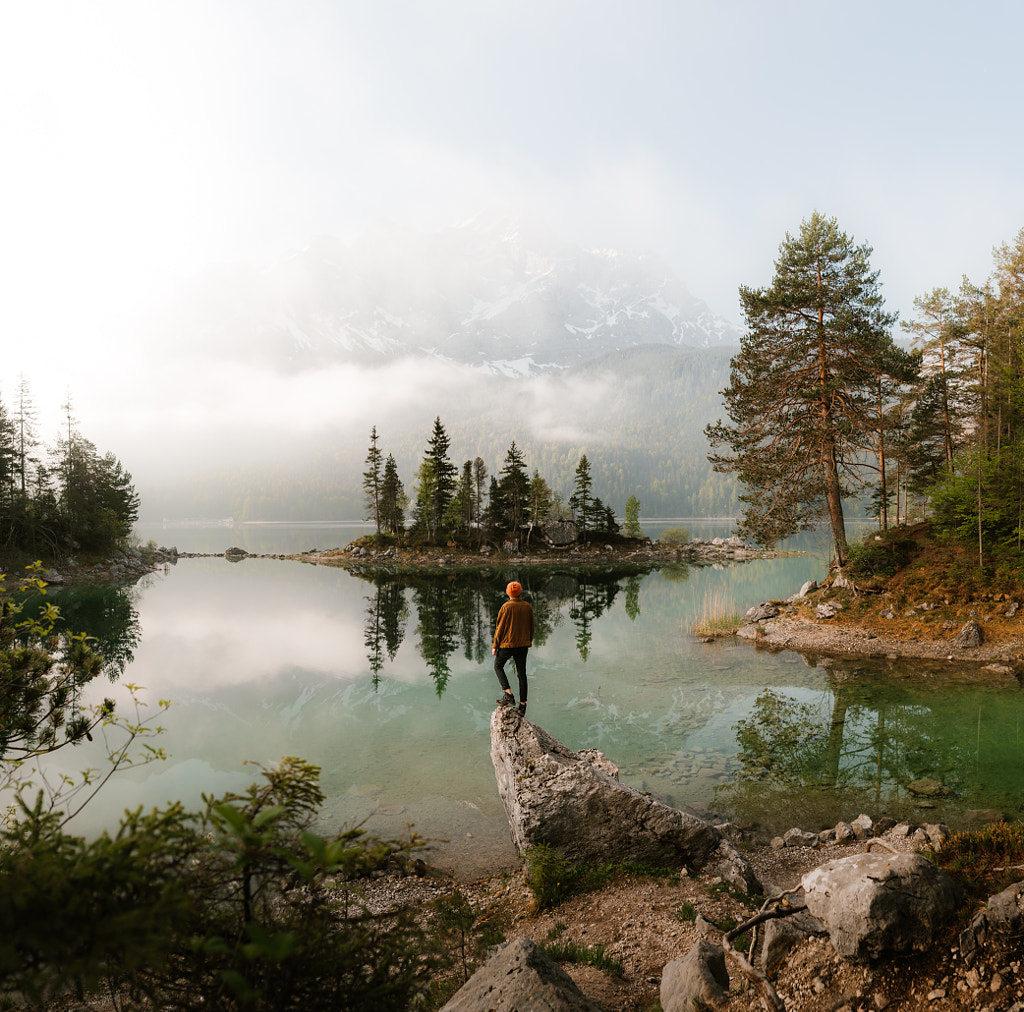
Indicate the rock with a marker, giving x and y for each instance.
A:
(700, 975)
(553, 796)
(520, 978)
(827, 610)
(883, 824)
(877, 903)
(807, 588)
(800, 838)
(1005, 910)
(783, 933)
(840, 582)
(760, 613)
(1012, 610)
(928, 788)
(969, 636)
(844, 832)
(562, 533)
(863, 827)
(937, 834)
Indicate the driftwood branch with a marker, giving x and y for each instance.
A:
(776, 907)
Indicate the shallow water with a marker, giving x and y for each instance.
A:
(389, 689)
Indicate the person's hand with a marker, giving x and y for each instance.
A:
(493, 651)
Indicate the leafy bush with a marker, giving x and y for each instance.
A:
(879, 555)
(673, 537)
(237, 906)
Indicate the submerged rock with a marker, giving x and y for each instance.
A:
(573, 802)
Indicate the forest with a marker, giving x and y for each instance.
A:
(68, 499)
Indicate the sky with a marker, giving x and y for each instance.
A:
(144, 142)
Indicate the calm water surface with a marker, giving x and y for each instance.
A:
(388, 687)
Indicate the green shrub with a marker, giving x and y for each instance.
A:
(552, 878)
(237, 906)
(673, 537)
(568, 951)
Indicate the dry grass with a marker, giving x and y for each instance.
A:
(717, 617)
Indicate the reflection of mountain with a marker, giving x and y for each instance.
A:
(453, 614)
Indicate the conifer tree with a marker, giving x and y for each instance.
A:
(581, 502)
(392, 499)
(801, 388)
(514, 487)
(372, 478)
(442, 480)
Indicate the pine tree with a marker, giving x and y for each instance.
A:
(541, 500)
(581, 502)
(933, 335)
(514, 487)
(372, 478)
(392, 499)
(801, 388)
(443, 476)
(479, 479)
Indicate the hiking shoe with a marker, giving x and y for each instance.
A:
(505, 699)
(521, 709)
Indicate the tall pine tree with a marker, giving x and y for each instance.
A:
(803, 386)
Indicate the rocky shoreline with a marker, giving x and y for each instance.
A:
(884, 927)
(835, 619)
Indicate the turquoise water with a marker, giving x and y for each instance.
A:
(389, 689)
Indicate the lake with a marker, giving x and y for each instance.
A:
(388, 687)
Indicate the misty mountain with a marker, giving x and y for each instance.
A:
(495, 294)
(638, 413)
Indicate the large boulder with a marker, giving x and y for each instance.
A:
(520, 978)
(879, 903)
(574, 803)
(700, 978)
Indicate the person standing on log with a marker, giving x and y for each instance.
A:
(513, 637)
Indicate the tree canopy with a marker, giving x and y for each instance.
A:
(804, 387)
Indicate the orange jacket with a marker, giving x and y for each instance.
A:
(514, 627)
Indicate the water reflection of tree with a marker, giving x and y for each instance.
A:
(437, 628)
(386, 615)
(107, 614)
(455, 612)
(859, 745)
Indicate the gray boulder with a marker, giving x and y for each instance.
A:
(760, 613)
(564, 532)
(878, 903)
(783, 933)
(701, 974)
(520, 978)
(569, 801)
(800, 838)
(969, 636)
(1003, 916)
(806, 589)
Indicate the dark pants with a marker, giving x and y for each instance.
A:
(518, 654)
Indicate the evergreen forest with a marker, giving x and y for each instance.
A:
(59, 500)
